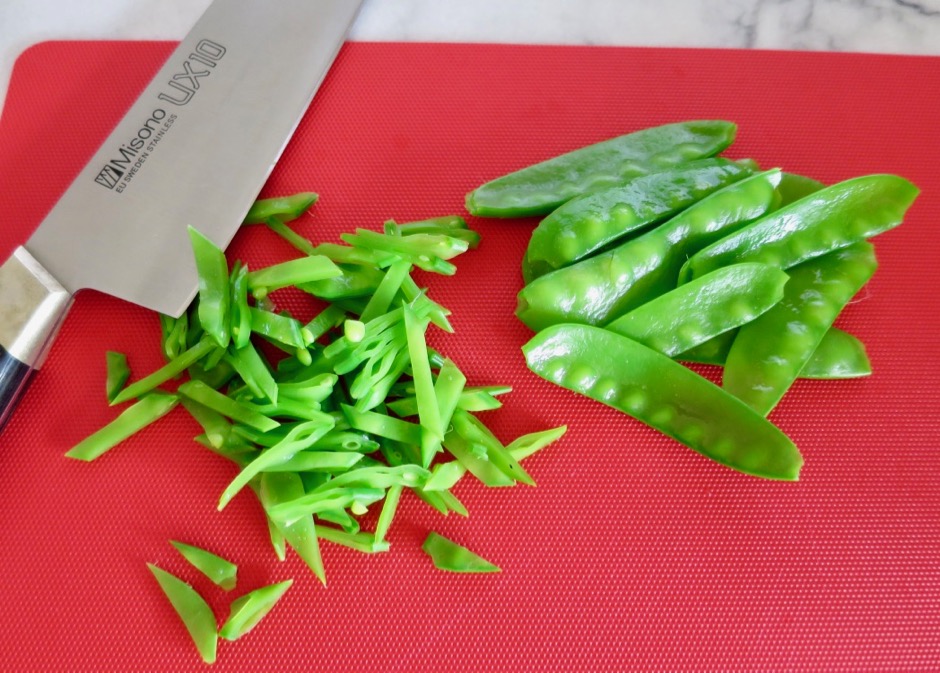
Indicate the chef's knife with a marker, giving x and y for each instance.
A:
(195, 149)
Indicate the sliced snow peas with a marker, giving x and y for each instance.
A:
(117, 374)
(540, 188)
(691, 314)
(139, 415)
(768, 353)
(826, 220)
(448, 555)
(591, 222)
(251, 608)
(193, 610)
(599, 288)
(221, 571)
(626, 375)
(214, 293)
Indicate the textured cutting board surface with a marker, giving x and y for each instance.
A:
(632, 552)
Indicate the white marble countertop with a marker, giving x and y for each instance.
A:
(885, 26)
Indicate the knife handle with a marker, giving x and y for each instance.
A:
(32, 306)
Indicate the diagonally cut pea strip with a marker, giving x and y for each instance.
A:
(448, 555)
(382, 298)
(301, 535)
(524, 446)
(169, 371)
(428, 411)
(200, 392)
(293, 272)
(665, 395)
(280, 208)
(117, 374)
(214, 292)
(253, 371)
(251, 608)
(139, 415)
(192, 609)
(222, 572)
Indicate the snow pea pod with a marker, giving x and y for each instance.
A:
(695, 312)
(540, 188)
(588, 223)
(660, 392)
(826, 220)
(598, 289)
(139, 415)
(251, 608)
(222, 572)
(839, 355)
(768, 353)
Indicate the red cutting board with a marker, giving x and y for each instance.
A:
(633, 552)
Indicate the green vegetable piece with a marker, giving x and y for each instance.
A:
(524, 446)
(418, 298)
(444, 476)
(251, 608)
(293, 272)
(665, 395)
(318, 461)
(429, 413)
(767, 354)
(200, 392)
(354, 281)
(318, 502)
(280, 208)
(478, 435)
(280, 328)
(214, 291)
(173, 333)
(695, 312)
(362, 542)
(589, 223)
(118, 372)
(387, 515)
(383, 426)
(298, 439)
(475, 460)
(831, 218)
(794, 187)
(448, 225)
(218, 430)
(136, 417)
(223, 573)
(169, 371)
(241, 316)
(838, 356)
(542, 187)
(596, 290)
(323, 322)
(448, 555)
(301, 535)
(382, 298)
(254, 372)
(195, 613)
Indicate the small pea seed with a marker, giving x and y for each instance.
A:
(606, 390)
(662, 416)
(581, 377)
(632, 400)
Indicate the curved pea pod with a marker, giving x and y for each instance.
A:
(600, 288)
(660, 392)
(831, 218)
(542, 187)
(695, 312)
(839, 355)
(588, 223)
(768, 353)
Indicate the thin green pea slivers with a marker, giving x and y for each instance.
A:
(448, 555)
(222, 572)
(170, 370)
(118, 372)
(139, 415)
(301, 535)
(214, 292)
(628, 376)
(542, 187)
(281, 208)
(193, 610)
(251, 608)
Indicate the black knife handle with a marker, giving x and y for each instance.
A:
(32, 306)
(14, 377)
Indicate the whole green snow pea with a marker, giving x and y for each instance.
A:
(826, 220)
(542, 187)
(591, 222)
(598, 289)
(726, 298)
(222, 572)
(251, 608)
(768, 353)
(193, 610)
(839, 355)
(660, 392)
(448, 555)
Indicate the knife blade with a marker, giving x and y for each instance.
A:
(194, 149)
